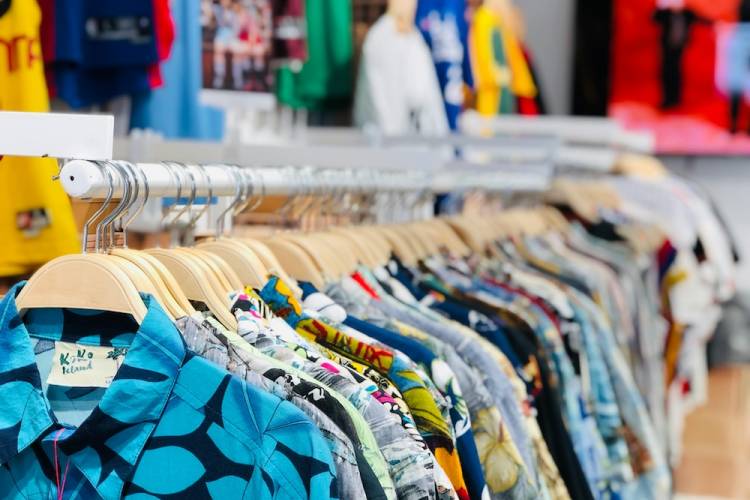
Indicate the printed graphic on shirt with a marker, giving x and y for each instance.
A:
(133, 29)
(75, 365)
(31, 222)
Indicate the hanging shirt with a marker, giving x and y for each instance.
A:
(415, 389)
(443, 25)
(168, 423)
(36, 220)
(180, 93)
(326, 80)
(499, 65)
(398, 91)
(101, 49)
(212, 344)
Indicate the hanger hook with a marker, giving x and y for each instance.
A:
(256, 178)
(143, 179)
(175, 172)
(207, 205)
(101, 210)
(238, 197)
(127, 195)
(193, 193)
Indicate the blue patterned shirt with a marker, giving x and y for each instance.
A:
(170, 424)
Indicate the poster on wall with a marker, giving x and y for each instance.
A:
(681, 68)
(237, 39)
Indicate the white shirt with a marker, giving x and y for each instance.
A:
(397, 89)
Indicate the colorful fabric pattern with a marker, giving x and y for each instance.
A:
(205, 340)
(427, 415)
(409, 464)
(170, 424)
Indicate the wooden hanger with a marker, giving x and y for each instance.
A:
(240, 258)
(350, 254)
(227, 275)
(198, 283)
(426, 236)
(317, 255)
(272, 264)
(296, 261)
(168, 293)
(376, 242)
(88, 281)
(172, 295)
(403, 251)
(454, 243)
(418, 247)
(366, 254)
(464, 228)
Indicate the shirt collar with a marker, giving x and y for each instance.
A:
(107, 445)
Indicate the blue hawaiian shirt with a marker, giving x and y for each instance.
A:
(170, 424)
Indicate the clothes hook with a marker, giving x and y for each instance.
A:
(142, 179)
(108, 222)
(101, 210)
(176, 174)
(238, 198)
(207, 205)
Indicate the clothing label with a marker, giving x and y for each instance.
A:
(75, 365)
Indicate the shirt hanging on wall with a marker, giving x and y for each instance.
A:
(36, 220)
(101, 49)
(398, 91)
(186, 118)
(326, 79)
(443, 25)
(499, 66)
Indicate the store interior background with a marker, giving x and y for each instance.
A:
(717, 438)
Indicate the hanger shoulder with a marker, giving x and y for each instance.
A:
(227, 275)
(341, 252)
(295, 261)
(402, 250)
(271, 264)
(367, 255)
(170, 282)
(197, 282)
(239, 258)
(82, 282)
(163, 293)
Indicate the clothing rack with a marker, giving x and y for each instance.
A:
(590, 131)
(514, 146)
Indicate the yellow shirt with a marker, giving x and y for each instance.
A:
(36, 220)
(493, 71)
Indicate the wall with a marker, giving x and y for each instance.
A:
(550, 35)
(728, 182)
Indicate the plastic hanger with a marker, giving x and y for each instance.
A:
(85, 281)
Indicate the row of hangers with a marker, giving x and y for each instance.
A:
(111, 277)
